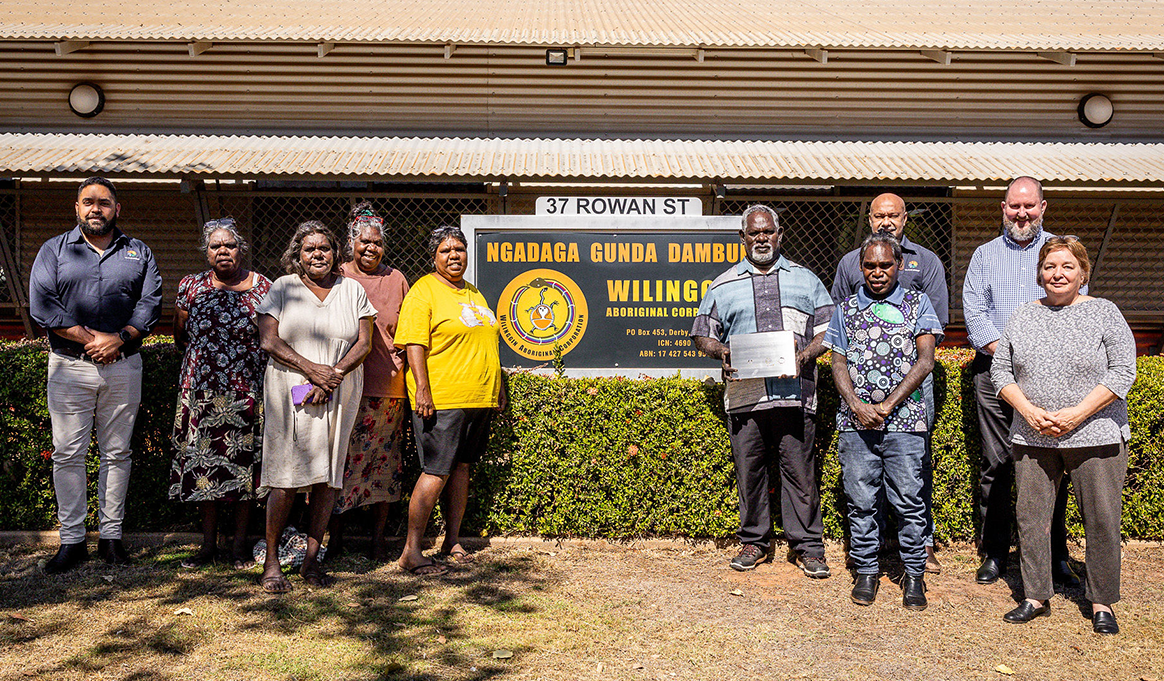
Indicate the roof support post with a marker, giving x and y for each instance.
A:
(1111, 223)
(449, 50)
(323, 49)
(818, 54)
(198, 47)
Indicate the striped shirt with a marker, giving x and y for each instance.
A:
(787, 297)
(1000, 279)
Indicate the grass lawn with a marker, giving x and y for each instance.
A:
(578, 610)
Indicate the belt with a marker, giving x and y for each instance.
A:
(74, 354)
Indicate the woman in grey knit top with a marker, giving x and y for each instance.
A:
(1066, 363)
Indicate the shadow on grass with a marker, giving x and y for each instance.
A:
(102, 606)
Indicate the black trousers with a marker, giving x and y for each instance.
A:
(997, 472)
(787, 433)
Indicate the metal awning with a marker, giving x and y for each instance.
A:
(1086, 25)
(641, 160)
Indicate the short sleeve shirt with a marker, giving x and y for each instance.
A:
(743, 300)
(878, 339)
(461, 336)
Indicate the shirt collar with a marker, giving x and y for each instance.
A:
(1036, 243)
(907, 245)
(746, 266)
(895, 297)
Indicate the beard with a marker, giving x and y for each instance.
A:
(762, 258)
(97, 231)
(1020, 234)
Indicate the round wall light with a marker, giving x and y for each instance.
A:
(86, 100)
(1095, 110)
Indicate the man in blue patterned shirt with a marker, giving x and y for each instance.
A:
(883, 339)
(770, 416)
(1000, 278)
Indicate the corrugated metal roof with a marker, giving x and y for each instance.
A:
(398, 158)
(912, 24)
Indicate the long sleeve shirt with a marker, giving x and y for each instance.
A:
(1056, 356)
(1000, 278)
(71, 284)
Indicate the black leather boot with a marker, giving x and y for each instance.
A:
(913, 592)
(112, 551)
(68, 557)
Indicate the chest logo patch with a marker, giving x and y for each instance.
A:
(888, 313)
(476, 315)
(132, 254)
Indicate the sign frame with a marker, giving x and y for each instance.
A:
(472, 225)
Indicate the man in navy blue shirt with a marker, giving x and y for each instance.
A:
(921, 270)
(98, 293)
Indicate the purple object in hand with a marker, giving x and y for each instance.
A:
(299, 393)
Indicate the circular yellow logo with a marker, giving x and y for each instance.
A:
(541, 309)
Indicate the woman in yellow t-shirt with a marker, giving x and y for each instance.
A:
(455, 383)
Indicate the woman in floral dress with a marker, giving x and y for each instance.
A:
(219, 423)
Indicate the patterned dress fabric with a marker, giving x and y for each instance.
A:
(375, 470)
(218, 426)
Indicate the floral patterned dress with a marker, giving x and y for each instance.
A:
(218, 426)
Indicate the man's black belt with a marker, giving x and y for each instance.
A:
(75, 354)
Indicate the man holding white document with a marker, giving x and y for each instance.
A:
(765, 319)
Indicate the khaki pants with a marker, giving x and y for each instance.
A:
(81, 396)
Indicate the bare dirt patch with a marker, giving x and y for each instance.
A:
(565, 611)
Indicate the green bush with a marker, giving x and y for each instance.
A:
(600, 457)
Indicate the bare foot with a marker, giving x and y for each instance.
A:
(204, 557)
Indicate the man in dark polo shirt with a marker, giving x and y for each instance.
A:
(921, 270)
(97, 292)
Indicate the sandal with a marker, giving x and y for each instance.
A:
(458, 556)
(317, 577)
(275, 584)
(428, 570)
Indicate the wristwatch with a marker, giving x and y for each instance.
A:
(124, 336)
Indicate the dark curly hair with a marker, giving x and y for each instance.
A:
(444, 232)
(361, 216)
(290, 259)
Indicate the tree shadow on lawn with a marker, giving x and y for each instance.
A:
(363, 608)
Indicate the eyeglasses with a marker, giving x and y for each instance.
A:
(220, 223)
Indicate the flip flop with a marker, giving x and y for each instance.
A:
(275, 584)
(317, 578)
(428, 570)
(459, 557)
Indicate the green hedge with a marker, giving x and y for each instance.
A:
(601, 457)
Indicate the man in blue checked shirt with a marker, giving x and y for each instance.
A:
(1000, 278)
(770, 416)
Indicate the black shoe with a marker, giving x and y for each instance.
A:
(913, 592)
(749, 557)
(990, 570)
(1026, 612)
(865, 589)
(68, 557)
(1104, 623)
(812, 566)
(1061, 573)
(112, 551)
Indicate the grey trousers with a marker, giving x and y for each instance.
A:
(83, 396)
(1097, 475)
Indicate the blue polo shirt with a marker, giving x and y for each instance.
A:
(787, 297)
(72, 285)
(878, 340)
(921, 270)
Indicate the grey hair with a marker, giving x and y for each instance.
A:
(758, 208)
(881, 238)
(228, 224)
(363, 215)
(443, 232)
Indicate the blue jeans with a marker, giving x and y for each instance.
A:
(872, 461)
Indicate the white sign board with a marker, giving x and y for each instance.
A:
(661, 206)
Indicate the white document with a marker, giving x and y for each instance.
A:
(769, 354)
